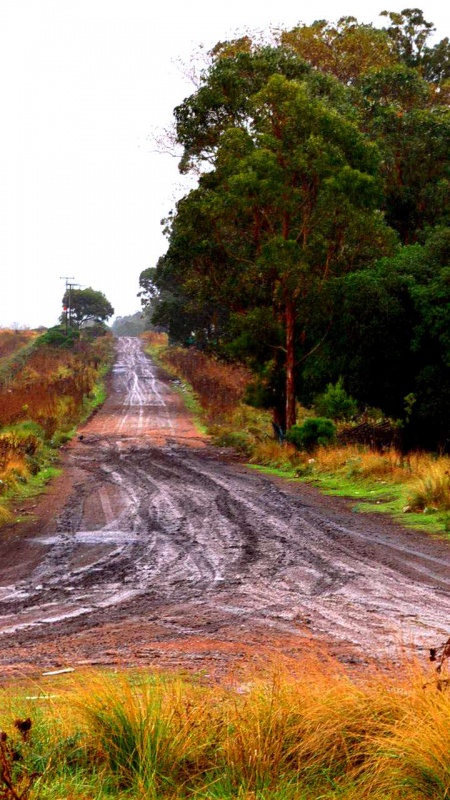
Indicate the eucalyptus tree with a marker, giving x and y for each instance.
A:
(290, 199)
(304, 151)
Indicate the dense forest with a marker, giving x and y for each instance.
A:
(315, 247)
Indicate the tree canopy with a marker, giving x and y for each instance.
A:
(85, 306)
(323, 193)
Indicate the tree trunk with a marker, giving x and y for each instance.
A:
(290, 365)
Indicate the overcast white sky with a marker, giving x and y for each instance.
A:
(83, 83)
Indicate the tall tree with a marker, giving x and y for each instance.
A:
(303, 150)
(291, 201)
(86, 305)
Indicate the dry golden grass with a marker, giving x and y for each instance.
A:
(155, 339)
(13, 340)
(50, 386)
(307, 727)
(271, 453)
(359, 461)
(430, 487)
(6, 516)
(218, 386)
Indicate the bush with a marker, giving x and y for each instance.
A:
(59, 337)
(315, 431)
(240, 440)
(335, 403)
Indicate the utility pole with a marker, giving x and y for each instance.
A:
(71, 286)
(67, 278)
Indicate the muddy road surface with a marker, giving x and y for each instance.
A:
(155, 548)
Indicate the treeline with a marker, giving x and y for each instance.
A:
(316, 245)
(132, 324)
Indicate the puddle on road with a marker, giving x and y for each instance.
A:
(89, 537)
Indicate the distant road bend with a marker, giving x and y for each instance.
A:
(152, 546)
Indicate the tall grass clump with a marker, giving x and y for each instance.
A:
(431, 486)
(152, 733)
(6, 516)
(270, 453)
(304, 730)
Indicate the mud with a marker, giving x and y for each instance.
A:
(153, 547)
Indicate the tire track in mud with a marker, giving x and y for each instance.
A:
(155, 529)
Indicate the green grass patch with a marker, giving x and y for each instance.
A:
(33, 486)
(384, 498)
(98, 394)
(372, 497)
(192, 404)
(279, 472)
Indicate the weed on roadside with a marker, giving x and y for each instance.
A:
(44, 392)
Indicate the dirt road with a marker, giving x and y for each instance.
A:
(152, 548)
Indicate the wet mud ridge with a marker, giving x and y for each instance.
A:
(153, 546)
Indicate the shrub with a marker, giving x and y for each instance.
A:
(240, 440)
(59, 337)
(313, 432)
(335, 403)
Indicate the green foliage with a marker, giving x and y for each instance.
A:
(315, 245)
(130, 325)
(239, 440)
(313, 432)
(335, 403)
(86, 306)
(59, 337)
